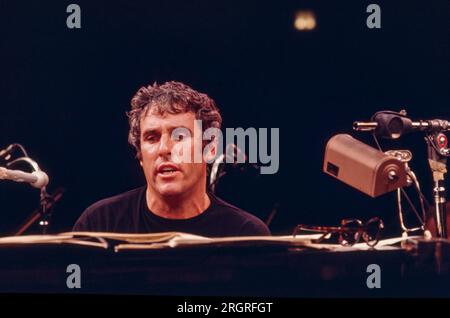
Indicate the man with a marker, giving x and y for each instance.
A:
(164, 129)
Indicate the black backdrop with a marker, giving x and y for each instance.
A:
(64, 93)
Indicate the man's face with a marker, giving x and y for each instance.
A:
(166, 173)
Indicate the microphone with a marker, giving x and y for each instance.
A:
(37, 179)
(215, 169)
(234, 155)
(392, 125)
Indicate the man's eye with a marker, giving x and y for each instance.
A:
(150, 138)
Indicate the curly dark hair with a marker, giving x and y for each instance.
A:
(173, 98)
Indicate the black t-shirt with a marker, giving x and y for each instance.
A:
(128, 213)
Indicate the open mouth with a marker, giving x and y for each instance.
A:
(167, 170)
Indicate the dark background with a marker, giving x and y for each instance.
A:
(64, 93)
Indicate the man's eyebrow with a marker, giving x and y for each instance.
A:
(172, 128)
(149, 131)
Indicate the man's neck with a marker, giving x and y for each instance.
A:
(178, 207)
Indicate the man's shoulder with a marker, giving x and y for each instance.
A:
(116, 201)
(108, 214)
(250, 224)
(224, 205)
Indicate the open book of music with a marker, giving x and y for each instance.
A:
(166, 240)
(125, 241)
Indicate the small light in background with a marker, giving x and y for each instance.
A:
(305, 20)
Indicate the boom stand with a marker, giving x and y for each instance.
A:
(43, 213)
(437, 159)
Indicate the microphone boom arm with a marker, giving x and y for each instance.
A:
(392, 125)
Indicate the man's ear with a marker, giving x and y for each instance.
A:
(210, 151)
(214, 148)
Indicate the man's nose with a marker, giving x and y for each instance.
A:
(165, 145)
